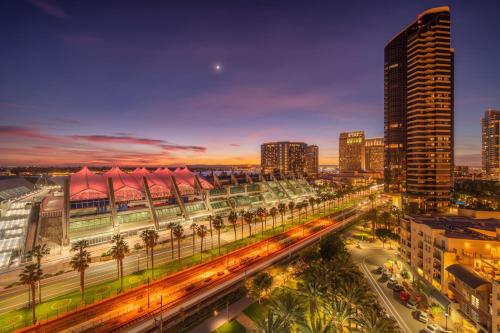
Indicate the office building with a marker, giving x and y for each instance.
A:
(490, 144)
(312, 161)
(457, 256)
(284, 157)
(374, 154)
(352, 151)
(418, 111)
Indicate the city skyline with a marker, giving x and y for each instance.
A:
(156, 96)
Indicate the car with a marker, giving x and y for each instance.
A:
(386, 275)
(398, 288)
(391, 284)
(423, 317)
(379, 270)
(411, 304)
(432, 328)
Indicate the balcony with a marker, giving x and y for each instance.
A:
(437, 255)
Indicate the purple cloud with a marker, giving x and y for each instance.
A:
(50, 9)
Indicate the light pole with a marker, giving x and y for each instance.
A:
(446, 317)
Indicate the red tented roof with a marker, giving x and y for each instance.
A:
(157, 186)
(125, 186)
(86, 185)
(188, 176)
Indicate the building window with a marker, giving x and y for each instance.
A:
(474, 301)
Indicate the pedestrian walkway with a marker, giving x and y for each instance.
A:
(215, 322)
(248, 323)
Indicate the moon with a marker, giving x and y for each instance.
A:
(218, 67)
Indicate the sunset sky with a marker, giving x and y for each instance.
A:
(206, 82)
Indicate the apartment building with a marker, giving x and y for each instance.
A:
(458, 256)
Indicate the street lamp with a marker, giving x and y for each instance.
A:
(446, 317)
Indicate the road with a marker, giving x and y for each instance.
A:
(17, 297)
(178, 288)
(371, 256)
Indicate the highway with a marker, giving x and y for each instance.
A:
(180, 287)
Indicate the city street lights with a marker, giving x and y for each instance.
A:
(446, 317)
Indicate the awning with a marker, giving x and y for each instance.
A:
(440, 298)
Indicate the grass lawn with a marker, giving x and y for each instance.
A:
(231, 327)
(17, 319)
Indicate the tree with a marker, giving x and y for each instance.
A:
(118, 251)
(270, 323)
(30, 276)
(39, 252)
(242, 215)
(150, 239)
(273, 212)
(287, 307)
(171, 226)
(282, 210)
(262, 214)
(248, 217)
(385, 217)
(372, 197)
(233, 219)
(370, 321)
(312, 290)
(218, 224)
(331, 246)
(80, 262)
(291, 206)
(210, 218)
(178, 234)
(340, 313)
(372, 215)
(260, 285)
(305, 203)
(201, 231)
(312, 202)
(193, 228)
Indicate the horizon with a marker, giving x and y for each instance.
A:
(186, 90)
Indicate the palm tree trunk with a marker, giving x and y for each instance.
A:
(242, 227)
(121, 275)
(172, 243)
(147, 257)
(82, 285)
(118, 268)
(39, 292)
(33, 305)
(194, 235)
(234, 227)
(201, 249)
(218, 239)
(179, 250)
(152, 264)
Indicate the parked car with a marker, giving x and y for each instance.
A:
(411, 304)
(398, 288)
(433, 328)
(386, 275)
(379, 270)
(423, 317)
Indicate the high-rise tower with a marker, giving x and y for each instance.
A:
(491, 143)
(418, 111)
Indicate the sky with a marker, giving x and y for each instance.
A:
(206, 82)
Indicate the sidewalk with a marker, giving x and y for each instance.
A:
(224, 316)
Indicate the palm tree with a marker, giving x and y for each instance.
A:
(270, 323)
(386, 218)
(371, 321)
(273, 212)
(291, 206)
(211, 230)
(312, 202)
(201, 231)
(372, 215)
(233, 219)
(304, 205)
(118, 251)
(39, 251)
(193, 228)
(299, 208)
(30, 276)
(282, 210)
(312, 290)
(178, 234)
(372, 197)
(150, 239)
(287, 307)
(248, 217)
(340, 313)
(218, 225)
(171, 226)
(80, 262)
(242, 215)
